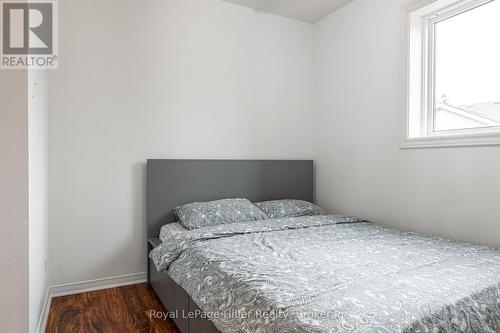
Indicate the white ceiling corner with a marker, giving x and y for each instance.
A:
(310, 11)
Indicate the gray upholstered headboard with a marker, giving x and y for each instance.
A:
(175, 182)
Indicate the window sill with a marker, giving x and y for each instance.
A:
(452, 141)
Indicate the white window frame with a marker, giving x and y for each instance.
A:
(420, 18)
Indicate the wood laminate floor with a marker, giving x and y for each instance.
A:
(115, 310)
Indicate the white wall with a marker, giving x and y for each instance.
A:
(360, 168)
(161, 79)
(13, 201)
(38, 193)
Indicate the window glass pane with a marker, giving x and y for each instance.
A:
(467, 69)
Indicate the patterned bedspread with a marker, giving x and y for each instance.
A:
(334, 274)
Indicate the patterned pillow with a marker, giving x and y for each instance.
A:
(289, 208)
(208, 214)
(171, 229)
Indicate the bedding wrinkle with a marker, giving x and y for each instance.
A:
(334, 274)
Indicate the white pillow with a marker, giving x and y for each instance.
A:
(171, 229)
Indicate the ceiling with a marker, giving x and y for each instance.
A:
(309, 11)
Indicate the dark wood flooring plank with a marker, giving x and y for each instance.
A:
(115, 310)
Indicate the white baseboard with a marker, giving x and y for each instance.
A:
(85, 286)
(42, 322)
(97, 284)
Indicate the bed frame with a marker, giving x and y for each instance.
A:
(175, 182)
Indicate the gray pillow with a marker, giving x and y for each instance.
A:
(208, 214)
(289, 208)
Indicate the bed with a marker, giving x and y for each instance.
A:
(327, 273)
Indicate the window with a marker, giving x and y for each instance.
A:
(452, 82)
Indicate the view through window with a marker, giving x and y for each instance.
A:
(467, 69)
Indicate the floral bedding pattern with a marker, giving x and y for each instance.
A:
(334, 274)
(211, 213)
(277, 209)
